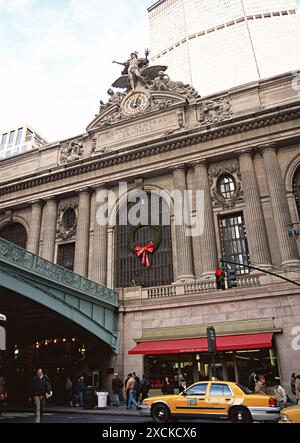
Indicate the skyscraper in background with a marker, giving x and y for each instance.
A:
(219, 44)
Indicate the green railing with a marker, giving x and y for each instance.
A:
(24, 260)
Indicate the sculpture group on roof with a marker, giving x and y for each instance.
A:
(137, 75)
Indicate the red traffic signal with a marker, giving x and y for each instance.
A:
(220, 280)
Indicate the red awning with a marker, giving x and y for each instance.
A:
(227, 343)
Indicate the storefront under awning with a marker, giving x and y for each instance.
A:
(230, 342)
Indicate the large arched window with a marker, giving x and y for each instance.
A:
(129, 270)
(296, 190)
(15, 233)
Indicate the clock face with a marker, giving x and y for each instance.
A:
(136, 103)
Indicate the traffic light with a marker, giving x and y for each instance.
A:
(220, 280)
(231, 278)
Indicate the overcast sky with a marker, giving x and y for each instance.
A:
(56, 59)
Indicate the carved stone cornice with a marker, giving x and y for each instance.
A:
(143, 150)
(202, 161)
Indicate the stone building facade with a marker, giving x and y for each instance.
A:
(242, 150)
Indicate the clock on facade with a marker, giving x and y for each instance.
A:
(135, 103)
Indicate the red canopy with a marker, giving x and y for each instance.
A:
(226, 343)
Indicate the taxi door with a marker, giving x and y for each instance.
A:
(192, 401)
(219, 398)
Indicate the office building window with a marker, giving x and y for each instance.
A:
(3, 140)
(19, 136)
(234, 240)
(28, 136)
(11, 138)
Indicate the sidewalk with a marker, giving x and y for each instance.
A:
(110, 410)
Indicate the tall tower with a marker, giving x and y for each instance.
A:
(219, 44)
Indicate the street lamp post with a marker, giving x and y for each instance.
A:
(292, 231)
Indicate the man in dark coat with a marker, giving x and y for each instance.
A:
(41, 392)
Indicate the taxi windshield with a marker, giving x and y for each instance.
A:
(244, 389)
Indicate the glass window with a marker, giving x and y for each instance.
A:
(227, 186)
(129, 270)
(234, 240)
(3, 141)
(69, 219)
(19, 136)
(11, 138)
(219, 390)
(15, 233)
(65, 256)
(197, 389)
(296, 190)
(28, 136)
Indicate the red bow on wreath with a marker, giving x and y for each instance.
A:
(144, 251)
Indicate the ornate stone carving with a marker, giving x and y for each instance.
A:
(71, 152)
(10, 253)
(163, 83)
(63, 231)
(214, 174)
(212, 112)
(115, 99)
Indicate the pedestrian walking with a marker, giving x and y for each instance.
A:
(68, 390)
(127, 392)
(130, 389)
(144, 387)
(252, 381)
(297, 389)
(136, 386)
(79, 390)
(260, 387)
(116, 386)
(182, 386)
(167, 388)
(42, 391)
(280, 394)
(292, 383)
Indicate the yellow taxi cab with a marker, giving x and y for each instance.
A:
(212, 399)
(290, 415)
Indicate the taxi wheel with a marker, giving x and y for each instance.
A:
(160, 414)
(240, 415)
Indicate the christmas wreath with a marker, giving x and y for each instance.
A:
(143, 251)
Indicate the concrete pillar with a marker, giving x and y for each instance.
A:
(185, 270)
(99, 266)
(82, 233)
(49, 229)
(280, 208)
(35, 227)
(255, 223)
(208, 245)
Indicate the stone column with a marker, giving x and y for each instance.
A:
(185, 271)
(35, 227)
(208, 245)
(280, 208)
(99, 265)
(49, 229)
(255, 223)
(82, 233)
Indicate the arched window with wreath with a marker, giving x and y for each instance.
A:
(143, 252)
(296, 190)
(15, 233)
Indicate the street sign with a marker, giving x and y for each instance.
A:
(211, 339)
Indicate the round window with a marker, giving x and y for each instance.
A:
(227, 186)
(69, 219)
